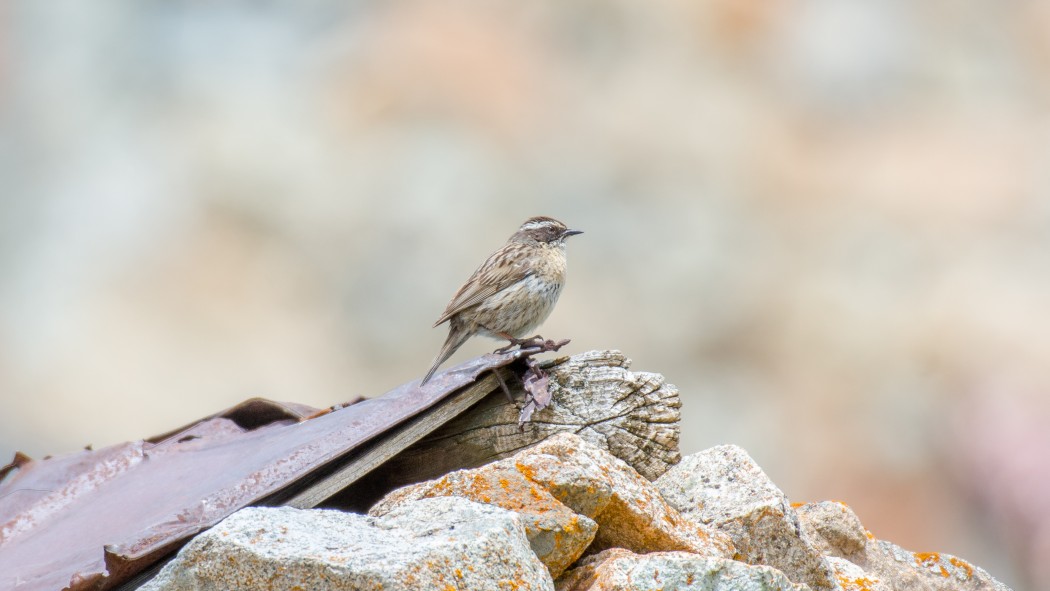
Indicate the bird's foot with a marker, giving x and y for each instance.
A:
(534, 342)
(549, 345)
(516, 342)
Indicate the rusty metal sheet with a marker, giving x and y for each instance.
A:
(250, 414)
(92, 519)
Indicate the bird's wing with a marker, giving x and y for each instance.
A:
(497, 273)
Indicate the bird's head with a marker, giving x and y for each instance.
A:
(543, 230)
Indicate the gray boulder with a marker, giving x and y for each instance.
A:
(622, 570)
(723, 487)
(439, 543)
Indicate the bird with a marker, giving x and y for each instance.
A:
(512, 292)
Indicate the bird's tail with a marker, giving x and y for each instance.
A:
(456, 337)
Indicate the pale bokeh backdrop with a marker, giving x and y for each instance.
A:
(826, 221)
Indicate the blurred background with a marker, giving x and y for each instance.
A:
(826, 221)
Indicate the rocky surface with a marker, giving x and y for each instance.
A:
(723, 487)
(862, 562)
(833, 528)
(622, 570)
(566, 514)
(851, 577)
(446, 543)
(557, 534)
(571, 495)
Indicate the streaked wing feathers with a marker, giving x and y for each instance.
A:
(497, 273)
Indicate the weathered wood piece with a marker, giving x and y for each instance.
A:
(375, 454)
(635, 415)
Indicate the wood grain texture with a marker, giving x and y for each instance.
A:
(374, 455)
(635, 415)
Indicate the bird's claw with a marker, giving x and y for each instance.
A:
(550, 345)
(536, 342)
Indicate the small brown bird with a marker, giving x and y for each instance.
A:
(512, 292)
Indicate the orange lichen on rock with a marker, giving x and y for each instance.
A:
(526, 471)
(854, 583)
(927, 558)
(557, 534)
(628, 508)
(573, 525)
(962, 564)
(930, 560)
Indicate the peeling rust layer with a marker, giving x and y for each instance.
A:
(93, 519)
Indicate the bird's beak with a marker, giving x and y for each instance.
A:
(568, 233)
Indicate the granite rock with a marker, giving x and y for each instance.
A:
(557, 535)
(617, 569)
(591, 482)
(724, 488)
(862, 563)
(833, 528)
(445, 543)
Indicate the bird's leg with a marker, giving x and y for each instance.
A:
(514, 342)
(507, 347)
(530, 342)
(544, 345)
